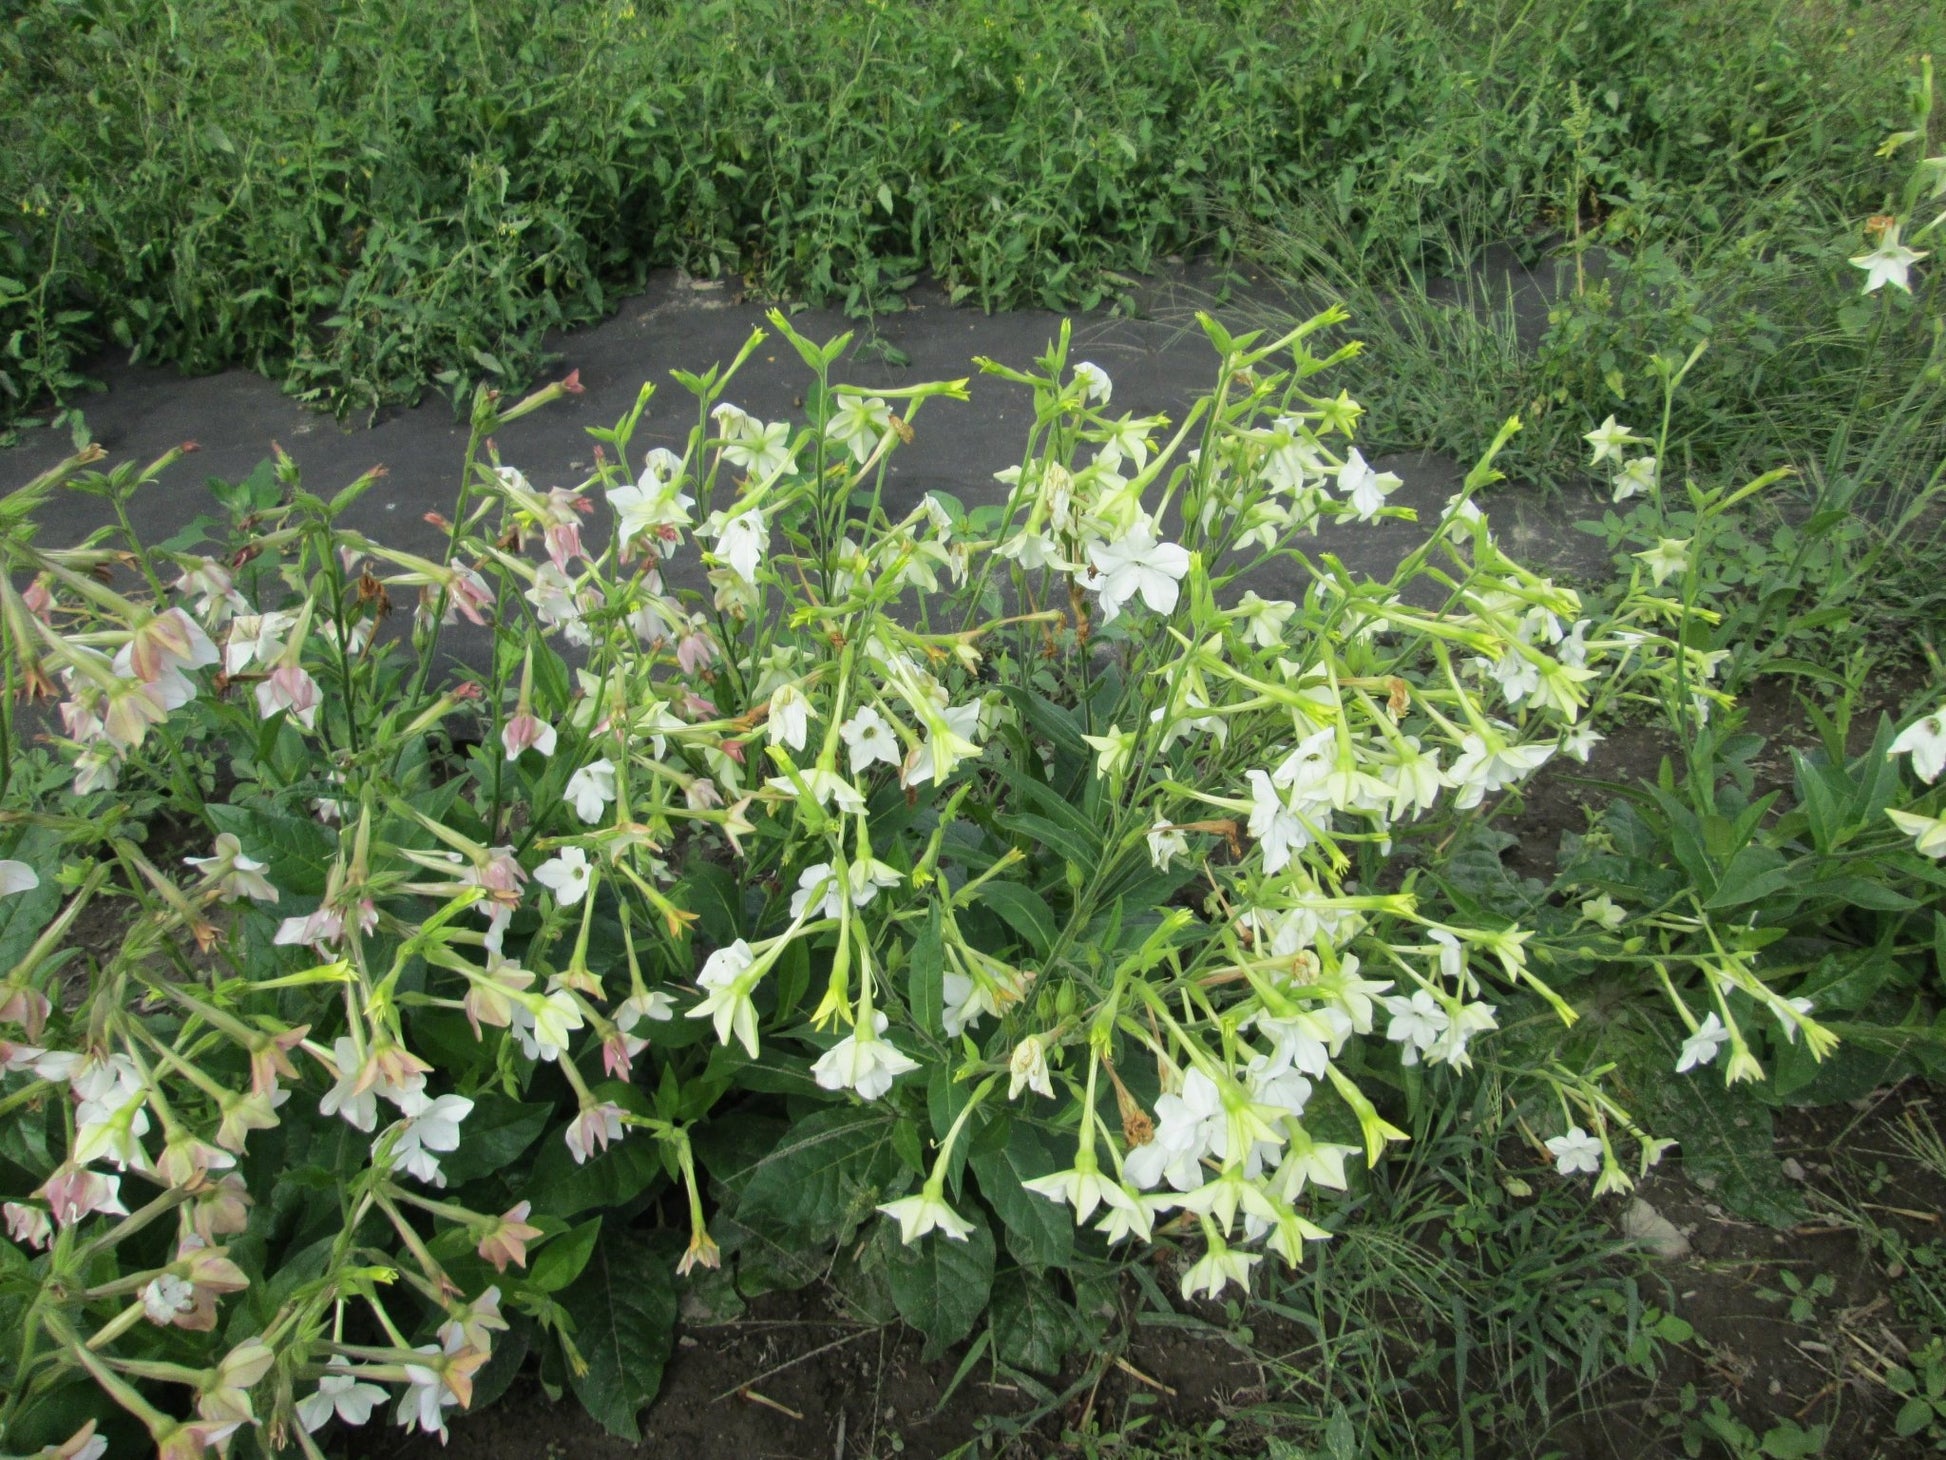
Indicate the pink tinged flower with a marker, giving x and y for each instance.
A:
(270, 1058)
(218, 589)
(186, 1161)
(468, 594)
(507, 1241)
(221, 1209)
(256, 638)
(618, 1052)
(40, 601)
(593, 1129)
(73, 1193)
(25, 1005)
(291, 689)
(169, 641)
(81, 722)
(167, 1298)
(527, 732)
(490, 996)
(234, 874)
(242, 1114)
(27, 1225)
(427, 1397)
(132, 709)
(83, 1444)
(193, 1439)
(695, 652)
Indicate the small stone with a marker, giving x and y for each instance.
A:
(1792, 1169)
(1644, 1224)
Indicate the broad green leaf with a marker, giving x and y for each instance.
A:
(1753, 872)
(24, 914)
(1023, 910)
(710, 891)
(940, 1286)
(827, 1173)
(1040, 1233)
(497, 1132)
(1726, 1144)
(925, 979)
(560, 1188)
(624, 1311)
(1033, 1327)
(562, 1260)
(1084, 853)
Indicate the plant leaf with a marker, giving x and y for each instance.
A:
(624, 1311)
(940, 1286)
(824, 1176)
(1039, 1232)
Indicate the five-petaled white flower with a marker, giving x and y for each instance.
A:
(926, 1212)
(1575, 1151)
(234, 874)
(1027, 1069)
(1217, 1269)
(431, 1130)
(1608, 439)
(727, 980)
(1166, 843)
(1701, 1046)
(566, 875)
(1889, 263)
(790, 716)
(859, 424)
(1417, 1024)
(742, 542)
(1668, 557)
(1925, 740)
(1364, 488)
(869, 737)
(1093, 380)
(342, 1394)
(1137, 562)
(1635, 478)
(862, 1061)
(1928, 833)
(592, 788)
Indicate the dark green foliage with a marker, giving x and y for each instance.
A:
(363, 200)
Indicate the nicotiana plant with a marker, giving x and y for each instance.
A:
(785, 852)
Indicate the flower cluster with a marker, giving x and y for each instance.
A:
(893, 803)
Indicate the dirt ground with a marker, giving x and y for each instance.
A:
(793, 1377)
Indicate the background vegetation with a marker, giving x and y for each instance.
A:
(363, 200)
